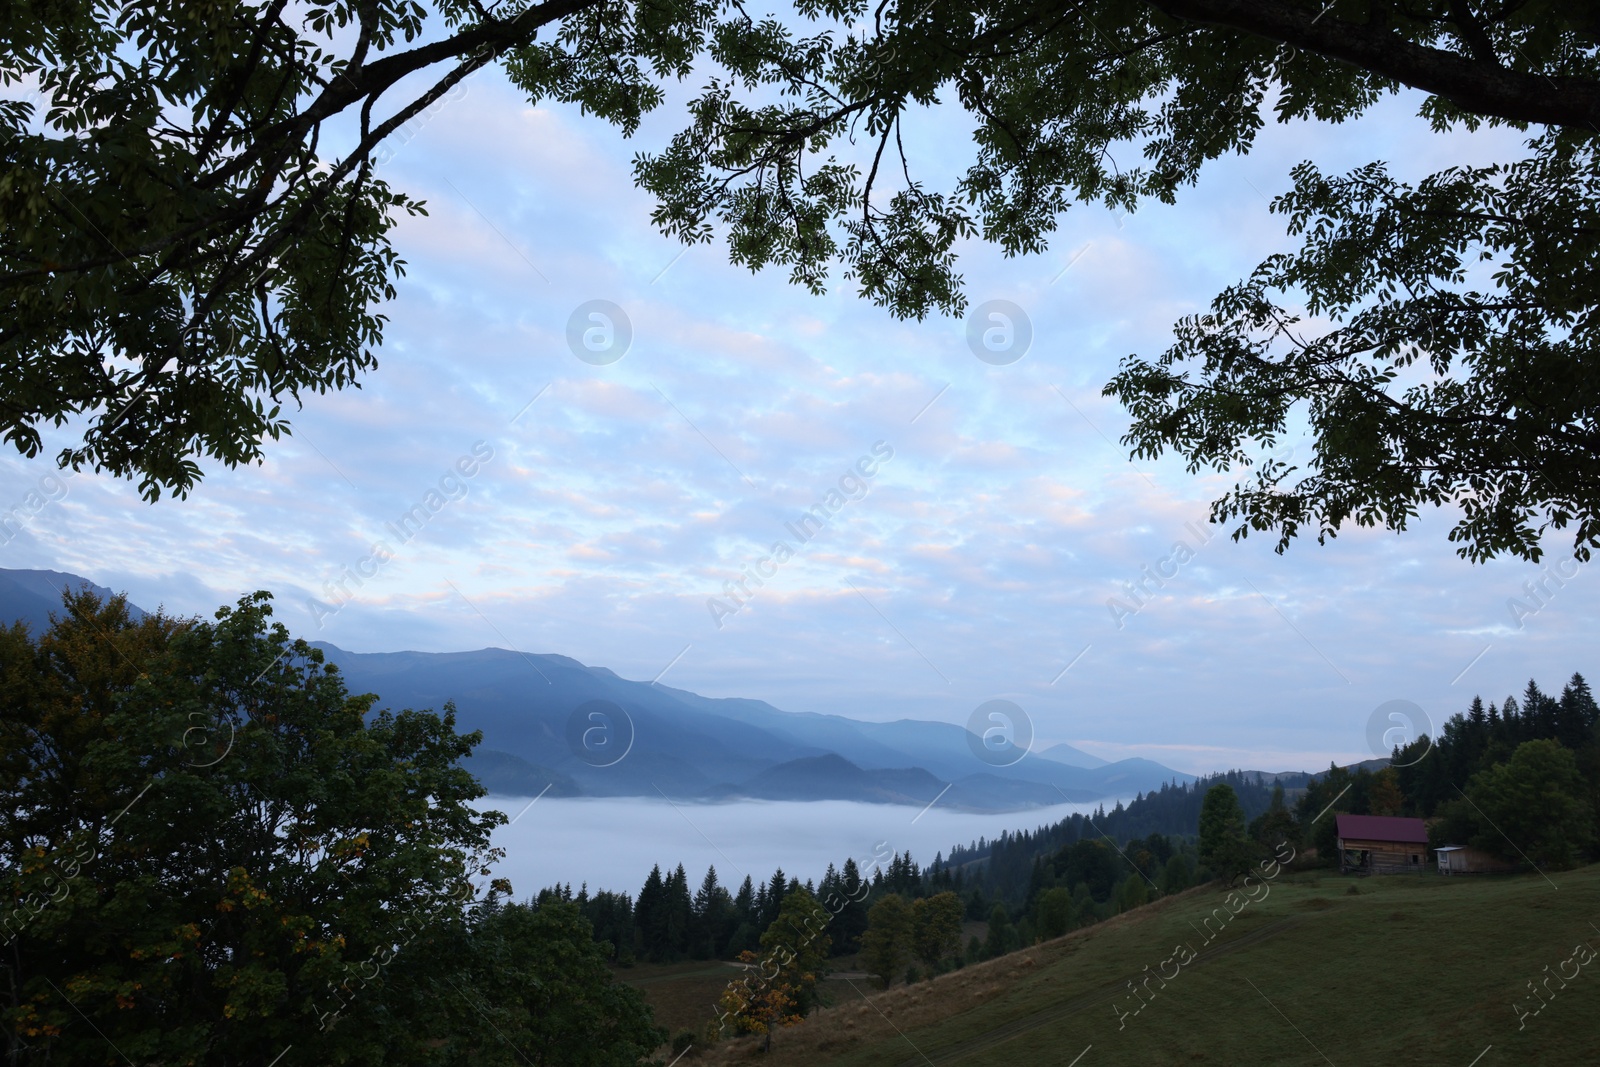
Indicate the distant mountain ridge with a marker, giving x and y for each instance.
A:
(31, 597)
(687, 746)
(535, 709)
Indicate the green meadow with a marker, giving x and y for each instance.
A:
(1319, 969)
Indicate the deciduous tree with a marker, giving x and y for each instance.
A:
(886, 946)
(1001, 935)
(531, 986)
(779, 987)
(1533, 807)
(1055, 912)
(218, 853)
(936, 929)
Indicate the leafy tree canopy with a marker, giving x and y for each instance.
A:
(886, 945)
(179, 257)
(780, 985)
(1531, 808)
(936, 928)
(212, 853)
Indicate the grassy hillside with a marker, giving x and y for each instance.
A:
(682, 995)
(1405, 970)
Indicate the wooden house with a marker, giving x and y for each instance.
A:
(1460, 859)
(1381, 844)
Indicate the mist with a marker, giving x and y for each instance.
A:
(611, 842)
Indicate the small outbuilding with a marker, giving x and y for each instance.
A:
(1381, 844)
(1461, 859)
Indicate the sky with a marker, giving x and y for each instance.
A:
(599, 502)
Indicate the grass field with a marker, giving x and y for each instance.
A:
(1408, 969)
(682, 994)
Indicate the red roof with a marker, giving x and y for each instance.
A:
(1382, 828)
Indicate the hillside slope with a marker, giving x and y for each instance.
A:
(1420, 969)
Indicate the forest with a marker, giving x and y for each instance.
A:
(270, 855)
(1530, 767)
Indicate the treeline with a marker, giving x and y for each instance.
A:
(1093, 858)
(904, 921)
(1485, 737)
(1520, 780)
(1531, 767)
(666, 923)
(1003, 869)
(1080, 883)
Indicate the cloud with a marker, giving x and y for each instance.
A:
(980, 559)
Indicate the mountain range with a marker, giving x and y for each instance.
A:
(554, 725)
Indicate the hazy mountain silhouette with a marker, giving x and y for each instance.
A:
(552, 724)
(32, 596)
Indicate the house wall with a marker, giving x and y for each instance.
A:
(1476, 861)
(1386, 857)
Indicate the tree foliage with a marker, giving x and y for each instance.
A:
(181, 253)
(1459, 366)
(1223, 844)
(886, 946)
(1451, 361)
(529, 985)
(177, 258)
(1277, 825)
(214, 854)
(1532, 807)
(1055, 912)
(1001, 937)
(780, 984)
(936, 929)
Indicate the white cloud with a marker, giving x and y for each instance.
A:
(981, 558)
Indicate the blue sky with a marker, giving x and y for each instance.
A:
(608, 504)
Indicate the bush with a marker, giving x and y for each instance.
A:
(682, 1042)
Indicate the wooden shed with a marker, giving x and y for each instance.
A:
(1460, 859)
(1381, 844)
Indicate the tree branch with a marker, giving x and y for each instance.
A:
(1470, 84)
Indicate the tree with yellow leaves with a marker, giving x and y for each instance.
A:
(779, 986)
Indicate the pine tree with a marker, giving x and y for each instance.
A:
(776, 888)
(680, 914)
(851, 921)
(712, 910)
(1540, 710)
(1576, 714)
(1223, 845)
(650, 917)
